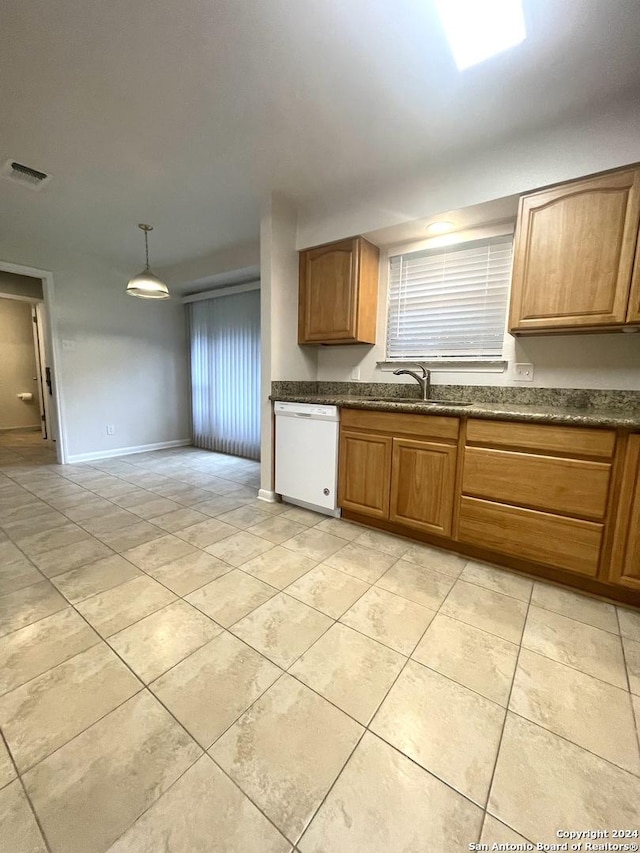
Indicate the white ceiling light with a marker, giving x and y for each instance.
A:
(146, 285)
(478, 29)
(440, 227)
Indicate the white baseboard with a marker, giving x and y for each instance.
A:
(127, 451)
(267, 495)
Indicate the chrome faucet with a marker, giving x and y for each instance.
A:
(423, 381)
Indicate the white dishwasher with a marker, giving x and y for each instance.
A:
(307, 455)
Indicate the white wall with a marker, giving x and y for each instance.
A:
(17, 366)
(604, 141)
(282, 358)
(120, 361)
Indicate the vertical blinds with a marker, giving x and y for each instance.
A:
(225, 373)
(450, 302)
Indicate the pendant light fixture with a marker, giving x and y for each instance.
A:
(146, 285)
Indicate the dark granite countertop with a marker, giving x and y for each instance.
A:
(491, 411)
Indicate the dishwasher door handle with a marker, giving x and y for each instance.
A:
(303, 415)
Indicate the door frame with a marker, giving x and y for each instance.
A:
(56, 421)
(39, 341)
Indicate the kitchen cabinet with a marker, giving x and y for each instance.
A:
(557, 501)
(400, 468)
(539, 492)
(625, 567)
(423, 475)
(574, 256)
(338, 293)
(364, 477)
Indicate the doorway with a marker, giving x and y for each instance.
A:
(21, 397)
(29, 397)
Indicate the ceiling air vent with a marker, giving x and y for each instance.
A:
(29, 177)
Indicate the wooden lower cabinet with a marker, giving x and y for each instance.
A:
(625, 565)
(364, 475)
(561, 502)
(423, 476)
(552, 540)
(537, 492)
(404, 473)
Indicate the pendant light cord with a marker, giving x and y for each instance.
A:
(146, 248)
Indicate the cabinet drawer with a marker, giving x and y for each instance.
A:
(567, 486)
(431, 426)
(564, 543)
(569, 441)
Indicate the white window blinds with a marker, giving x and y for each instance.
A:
(450, 302)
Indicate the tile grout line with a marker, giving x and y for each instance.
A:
(205, 752)
(20, 781)
(144, 687)
(106, 639)
(367, 729)
(107, 499)
(506, 713)
(89, 725)
(239, 568)
(635, 716)
(334, 622)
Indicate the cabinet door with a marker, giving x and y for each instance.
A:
(574, 254)
(365, 473)
(633, 312)
(422, 485)
(626, 553)
(328, 295)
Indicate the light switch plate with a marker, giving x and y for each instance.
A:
(523, 372)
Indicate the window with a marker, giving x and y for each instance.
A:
(450, 303)
(225, 372)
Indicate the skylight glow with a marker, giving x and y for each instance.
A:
(479, 29)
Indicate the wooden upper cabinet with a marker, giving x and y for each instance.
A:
(574, 255)
(625, 568)
(338, 298)
(633, 312)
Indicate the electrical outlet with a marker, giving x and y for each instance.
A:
(523, 372)
(355, 374)
(111, 430)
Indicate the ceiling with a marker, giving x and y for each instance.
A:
(184, 114)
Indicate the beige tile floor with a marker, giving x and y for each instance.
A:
(186, 669)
